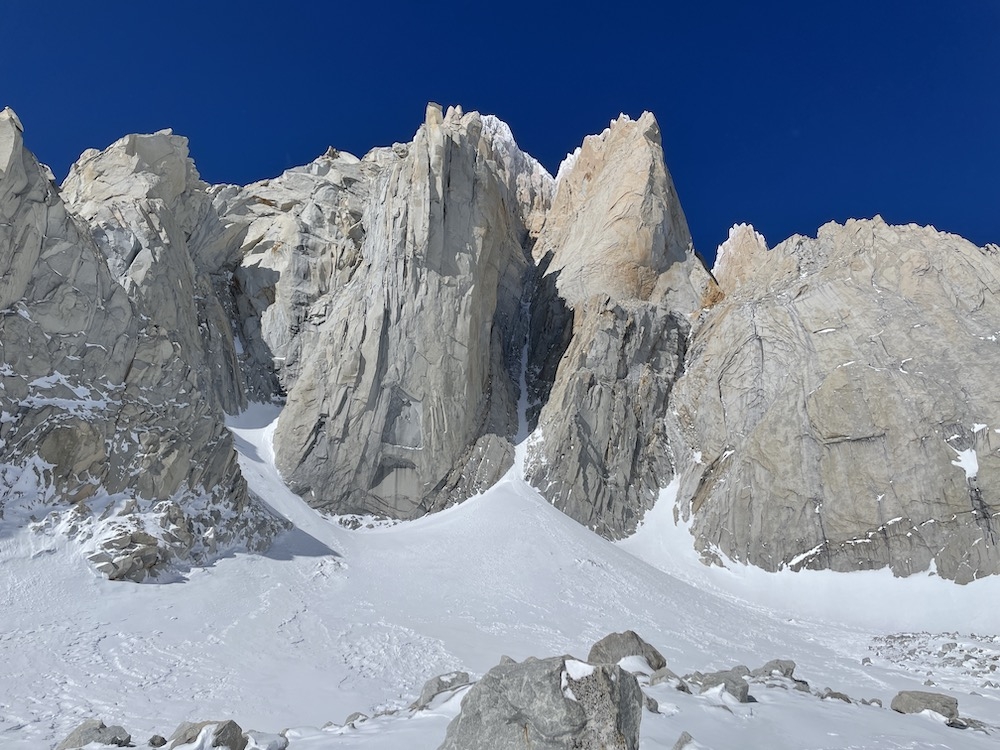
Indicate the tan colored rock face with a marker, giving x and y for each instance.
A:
(616, 227)
(609, 328)
(835, 396)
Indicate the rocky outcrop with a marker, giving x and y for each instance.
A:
(94, 730)
(733, 681)
(222, 734)
(445, 683)
(406, 398)
(618, 279)
(838, 404)
(153, 219)
(101, 411)
(549, 704)
(614, 647)
(915, 701)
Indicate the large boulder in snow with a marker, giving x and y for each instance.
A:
(614, 647)
(94, 730)
(222, 734)
(733, 681)
(445, 683)
(557, 703)
(915, 701)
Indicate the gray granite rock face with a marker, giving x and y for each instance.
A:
(102, 412)
(153, 219)
(618, 279)
(405, 398)
(549, 704)
(838, 407)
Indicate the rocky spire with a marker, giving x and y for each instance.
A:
(100, 412)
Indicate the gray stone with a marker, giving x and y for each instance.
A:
(915, 701)
(538, 704)
(835, 695)
(664, 674)
(94, 730)
(437, 685)
(614, 647)
(783, 667)
(356, 718)
(684, 741)
(157, 740)
(225, 734)
(617, 280)
(732, 681)
(834, 399)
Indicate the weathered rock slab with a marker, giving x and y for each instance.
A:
(549, 704)
(915, 701)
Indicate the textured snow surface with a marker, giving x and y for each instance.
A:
(333, 621)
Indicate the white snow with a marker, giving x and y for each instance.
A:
(332, 621)
(567, 164)
(968, 462)
(579, 670)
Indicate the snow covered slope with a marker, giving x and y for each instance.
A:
(333, 621)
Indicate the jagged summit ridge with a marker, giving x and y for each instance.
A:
(396, 303)
(101, 412)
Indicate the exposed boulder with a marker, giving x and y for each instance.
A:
(265, 741)
(618, 278)
(665, 674)
(549, 704)
(614, 647)
(782, 667)
(223, 734)
(838, 404)
(915, 701)
(94, 730)
(685, 742)
(100, 409)
(830, 694)
(733, 681)
(445, 683)
(355, 718)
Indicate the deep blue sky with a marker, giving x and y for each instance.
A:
(785, 115)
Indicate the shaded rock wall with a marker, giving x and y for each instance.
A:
(405, 399)
(609, 328)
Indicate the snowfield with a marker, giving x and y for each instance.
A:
(332, 621)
